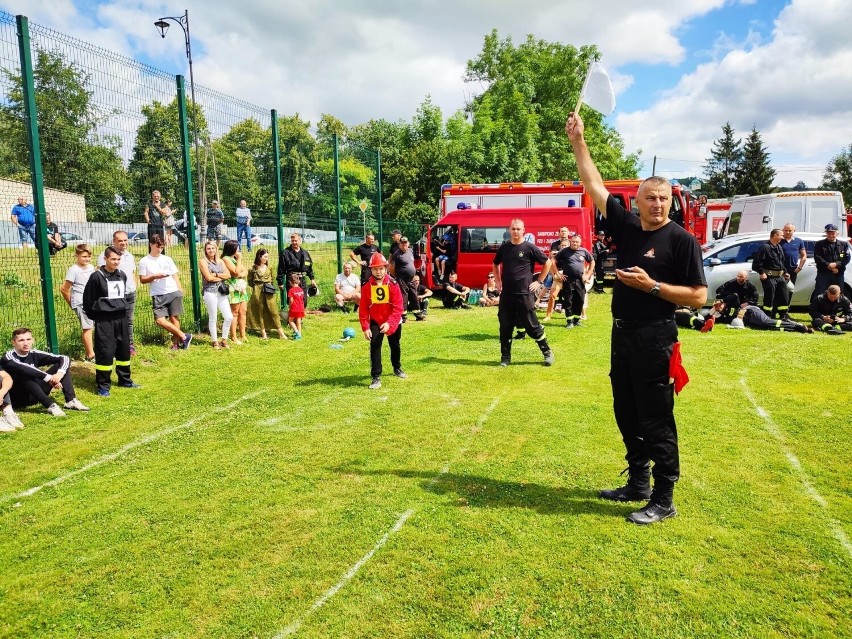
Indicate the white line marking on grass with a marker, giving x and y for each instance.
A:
(147, 439)
(328, 594)
(773, 429)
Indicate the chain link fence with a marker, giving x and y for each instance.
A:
(110, 136)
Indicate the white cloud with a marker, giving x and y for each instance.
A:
(796, 89)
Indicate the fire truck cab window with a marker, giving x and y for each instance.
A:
(481, 239)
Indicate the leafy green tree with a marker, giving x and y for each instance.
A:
(838, 174)
(244, 167)
(723, 165)
(755, 174)
(518, 121)
(297, 148)
(157, 160)
(76, 157)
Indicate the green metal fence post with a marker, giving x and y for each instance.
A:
(379, 192)
(197, 301)
(28, 85)
(337, 196)
(279, 208)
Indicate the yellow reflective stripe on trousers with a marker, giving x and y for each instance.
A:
(103, 367)
(127, 363)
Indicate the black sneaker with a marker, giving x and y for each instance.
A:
(400, 373)
(651, 514)
(420, 317)
(548, 358)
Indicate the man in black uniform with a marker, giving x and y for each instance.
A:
(574, 265)
(737, 291)
(362, 254)
(600, 251)
(295, 259)
(105, 303)
(831, 312)
(769, 263)
(659, 268)
(831, 257)
(513, 269)
(396, 237)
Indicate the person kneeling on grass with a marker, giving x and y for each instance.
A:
(380, 314)
(36, 374)
(160, 272)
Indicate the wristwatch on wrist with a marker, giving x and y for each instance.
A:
(656, 290)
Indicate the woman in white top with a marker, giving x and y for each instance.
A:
(214, 274)
(72, 290)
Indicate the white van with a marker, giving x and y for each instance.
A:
(808, 211)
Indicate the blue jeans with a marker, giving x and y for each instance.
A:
(27, 231)
(244, 229)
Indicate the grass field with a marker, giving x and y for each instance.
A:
(266, 492)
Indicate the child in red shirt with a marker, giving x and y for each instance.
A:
(296, 304)
(380, 314)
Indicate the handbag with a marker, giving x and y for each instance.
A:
(223, 288)
(268, 288)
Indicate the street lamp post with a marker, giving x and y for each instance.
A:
(183, 22)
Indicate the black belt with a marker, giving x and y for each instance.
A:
(773, 273)
(631, 324)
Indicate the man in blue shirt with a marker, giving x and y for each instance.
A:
(794, 251)
(23, 216)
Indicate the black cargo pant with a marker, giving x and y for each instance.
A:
(410, 300)
(376, 349)
(27, 391)
(643, 398)
(112, 343)
(776, 296)
(573, 295)
(519, 310)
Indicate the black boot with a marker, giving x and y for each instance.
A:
(637, 488)
(658, 508)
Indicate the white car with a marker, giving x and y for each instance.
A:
(264, 239)
(726, 257)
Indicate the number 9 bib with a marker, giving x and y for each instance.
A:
(380, 294)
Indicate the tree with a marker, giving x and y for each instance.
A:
(75, 156)
(157, 160)
(838, 174)
(755, 173)
(518, 121)
(244, 167)
(723, 165)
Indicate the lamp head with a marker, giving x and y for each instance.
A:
(163, 26)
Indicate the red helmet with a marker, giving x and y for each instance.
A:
(377, 259)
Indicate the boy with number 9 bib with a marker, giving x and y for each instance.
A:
(380, 314)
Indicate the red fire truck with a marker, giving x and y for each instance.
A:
(474, 221)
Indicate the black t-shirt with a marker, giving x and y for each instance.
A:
(364, 253)
(155, 218)
(518, 262)
(668, 254)
(573, 263)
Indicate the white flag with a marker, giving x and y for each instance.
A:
(597, 90)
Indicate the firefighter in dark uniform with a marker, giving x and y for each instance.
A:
(831, 257)
(600, 251)
(658, 269)
(513, 269)
(104, 301)
(831, 312)
(295, 259)
(737, 291)
(769, 263)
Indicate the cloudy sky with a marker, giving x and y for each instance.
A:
(681, 68)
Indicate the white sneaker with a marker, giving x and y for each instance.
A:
(12, 418)
(54, 410)
(76, 404)
(5, 426)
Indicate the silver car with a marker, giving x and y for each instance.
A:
(726, 257)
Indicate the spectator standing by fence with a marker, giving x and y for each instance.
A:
(72, 290)
(161, 273)
(128, 267)
(244, 224)
(155, 214)
(23, 216)
(263, 306)
(233, 261)
(295, 259)
(215, 221)
(216, 290)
